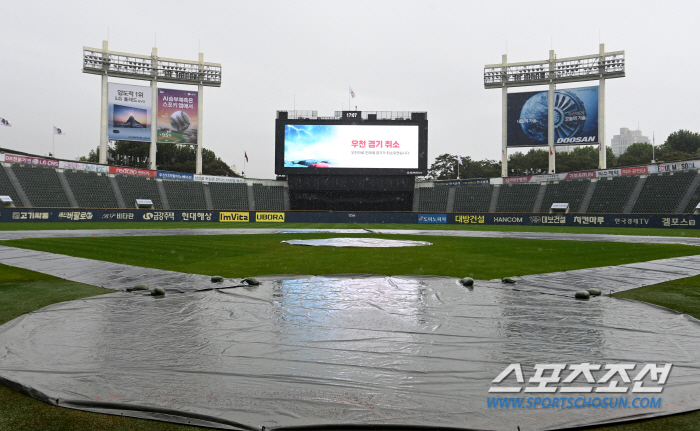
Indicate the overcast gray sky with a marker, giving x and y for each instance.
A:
(396, 55)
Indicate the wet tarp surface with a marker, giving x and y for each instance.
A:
(356, 242)
(359, 350)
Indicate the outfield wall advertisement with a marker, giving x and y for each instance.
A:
(330, 146)
(129, 112)
(177, 116)
(669, 221)
(575, 117)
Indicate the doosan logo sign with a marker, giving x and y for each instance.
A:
(576, 140)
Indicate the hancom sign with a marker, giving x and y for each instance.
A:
(234, 216)
(575, 117)
(269, 217)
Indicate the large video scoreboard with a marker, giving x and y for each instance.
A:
(351, 143)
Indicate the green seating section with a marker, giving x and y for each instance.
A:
(91, 190)
(517, 198)
(229, 196)
(611, 194)
(268, 198)
(663, 192)
(7, 189)
(571, 192)
(41, 186)
(433, 199)
(472, 198)
(133, 188)
(185, 195)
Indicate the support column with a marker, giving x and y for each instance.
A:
(550, 114)
(154, 109)
(200, 117)
(504, 121)
(104, 110)
(603, 154)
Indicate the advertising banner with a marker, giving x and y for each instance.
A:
(666, 221)
(178, 121)
(641, 170)
(83, 167)
(670, 167)
(580, 175)
(575, 117)
(175, 176)
(329, 146)
(608, 173)
(215, 179)
(131, 171)
(129, 116)
(470, 182)
(2, 157)
(11, 158)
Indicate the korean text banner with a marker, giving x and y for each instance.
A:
(177, 116)
(575, 117)
(351, 146)
(129, 114)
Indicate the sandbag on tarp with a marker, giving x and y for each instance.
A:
(356, 242)
(353, 350)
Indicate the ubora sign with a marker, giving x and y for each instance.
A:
(269, 217)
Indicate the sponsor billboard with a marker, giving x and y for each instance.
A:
(234, 216)
(175, 176)
(269, 217)
(178, 121)
(37, 161)
(330, 146)
(215, 179)
(131, 171)
(575, 117)
(129, 112)
(78, 166)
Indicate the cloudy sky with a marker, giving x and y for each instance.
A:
(397, 56)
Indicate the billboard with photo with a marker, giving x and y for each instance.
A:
(575, 117)
(129, 112)
(177, 116)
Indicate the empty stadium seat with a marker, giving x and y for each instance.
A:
(611, 194)
(229, 196)
(185, 194)
(41, 186)
(91, 190)
(518, 198)
(570, 191)
(663, 192)
(433, 199)
(133, 188)
(268, 198)
(472, 198)
(7, 189)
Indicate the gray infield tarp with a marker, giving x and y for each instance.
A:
(345, 350)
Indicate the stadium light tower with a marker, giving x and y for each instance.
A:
(150, 68)
(601, 66)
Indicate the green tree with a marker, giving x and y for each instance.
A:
(169, 157)
(636, 154)
(682, 141)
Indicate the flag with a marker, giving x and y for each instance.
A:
(551, 153)
(246, 156)
(352, 93)
(4, 122)
(459, 158)
(57, 131)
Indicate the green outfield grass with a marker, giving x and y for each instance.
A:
(14, 226)
(248, 255)
(22, 291)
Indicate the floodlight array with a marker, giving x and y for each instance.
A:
(141, 67)
(564, 70)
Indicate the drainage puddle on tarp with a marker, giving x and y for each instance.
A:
(351, 350)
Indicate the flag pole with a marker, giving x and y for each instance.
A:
(53, 144)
